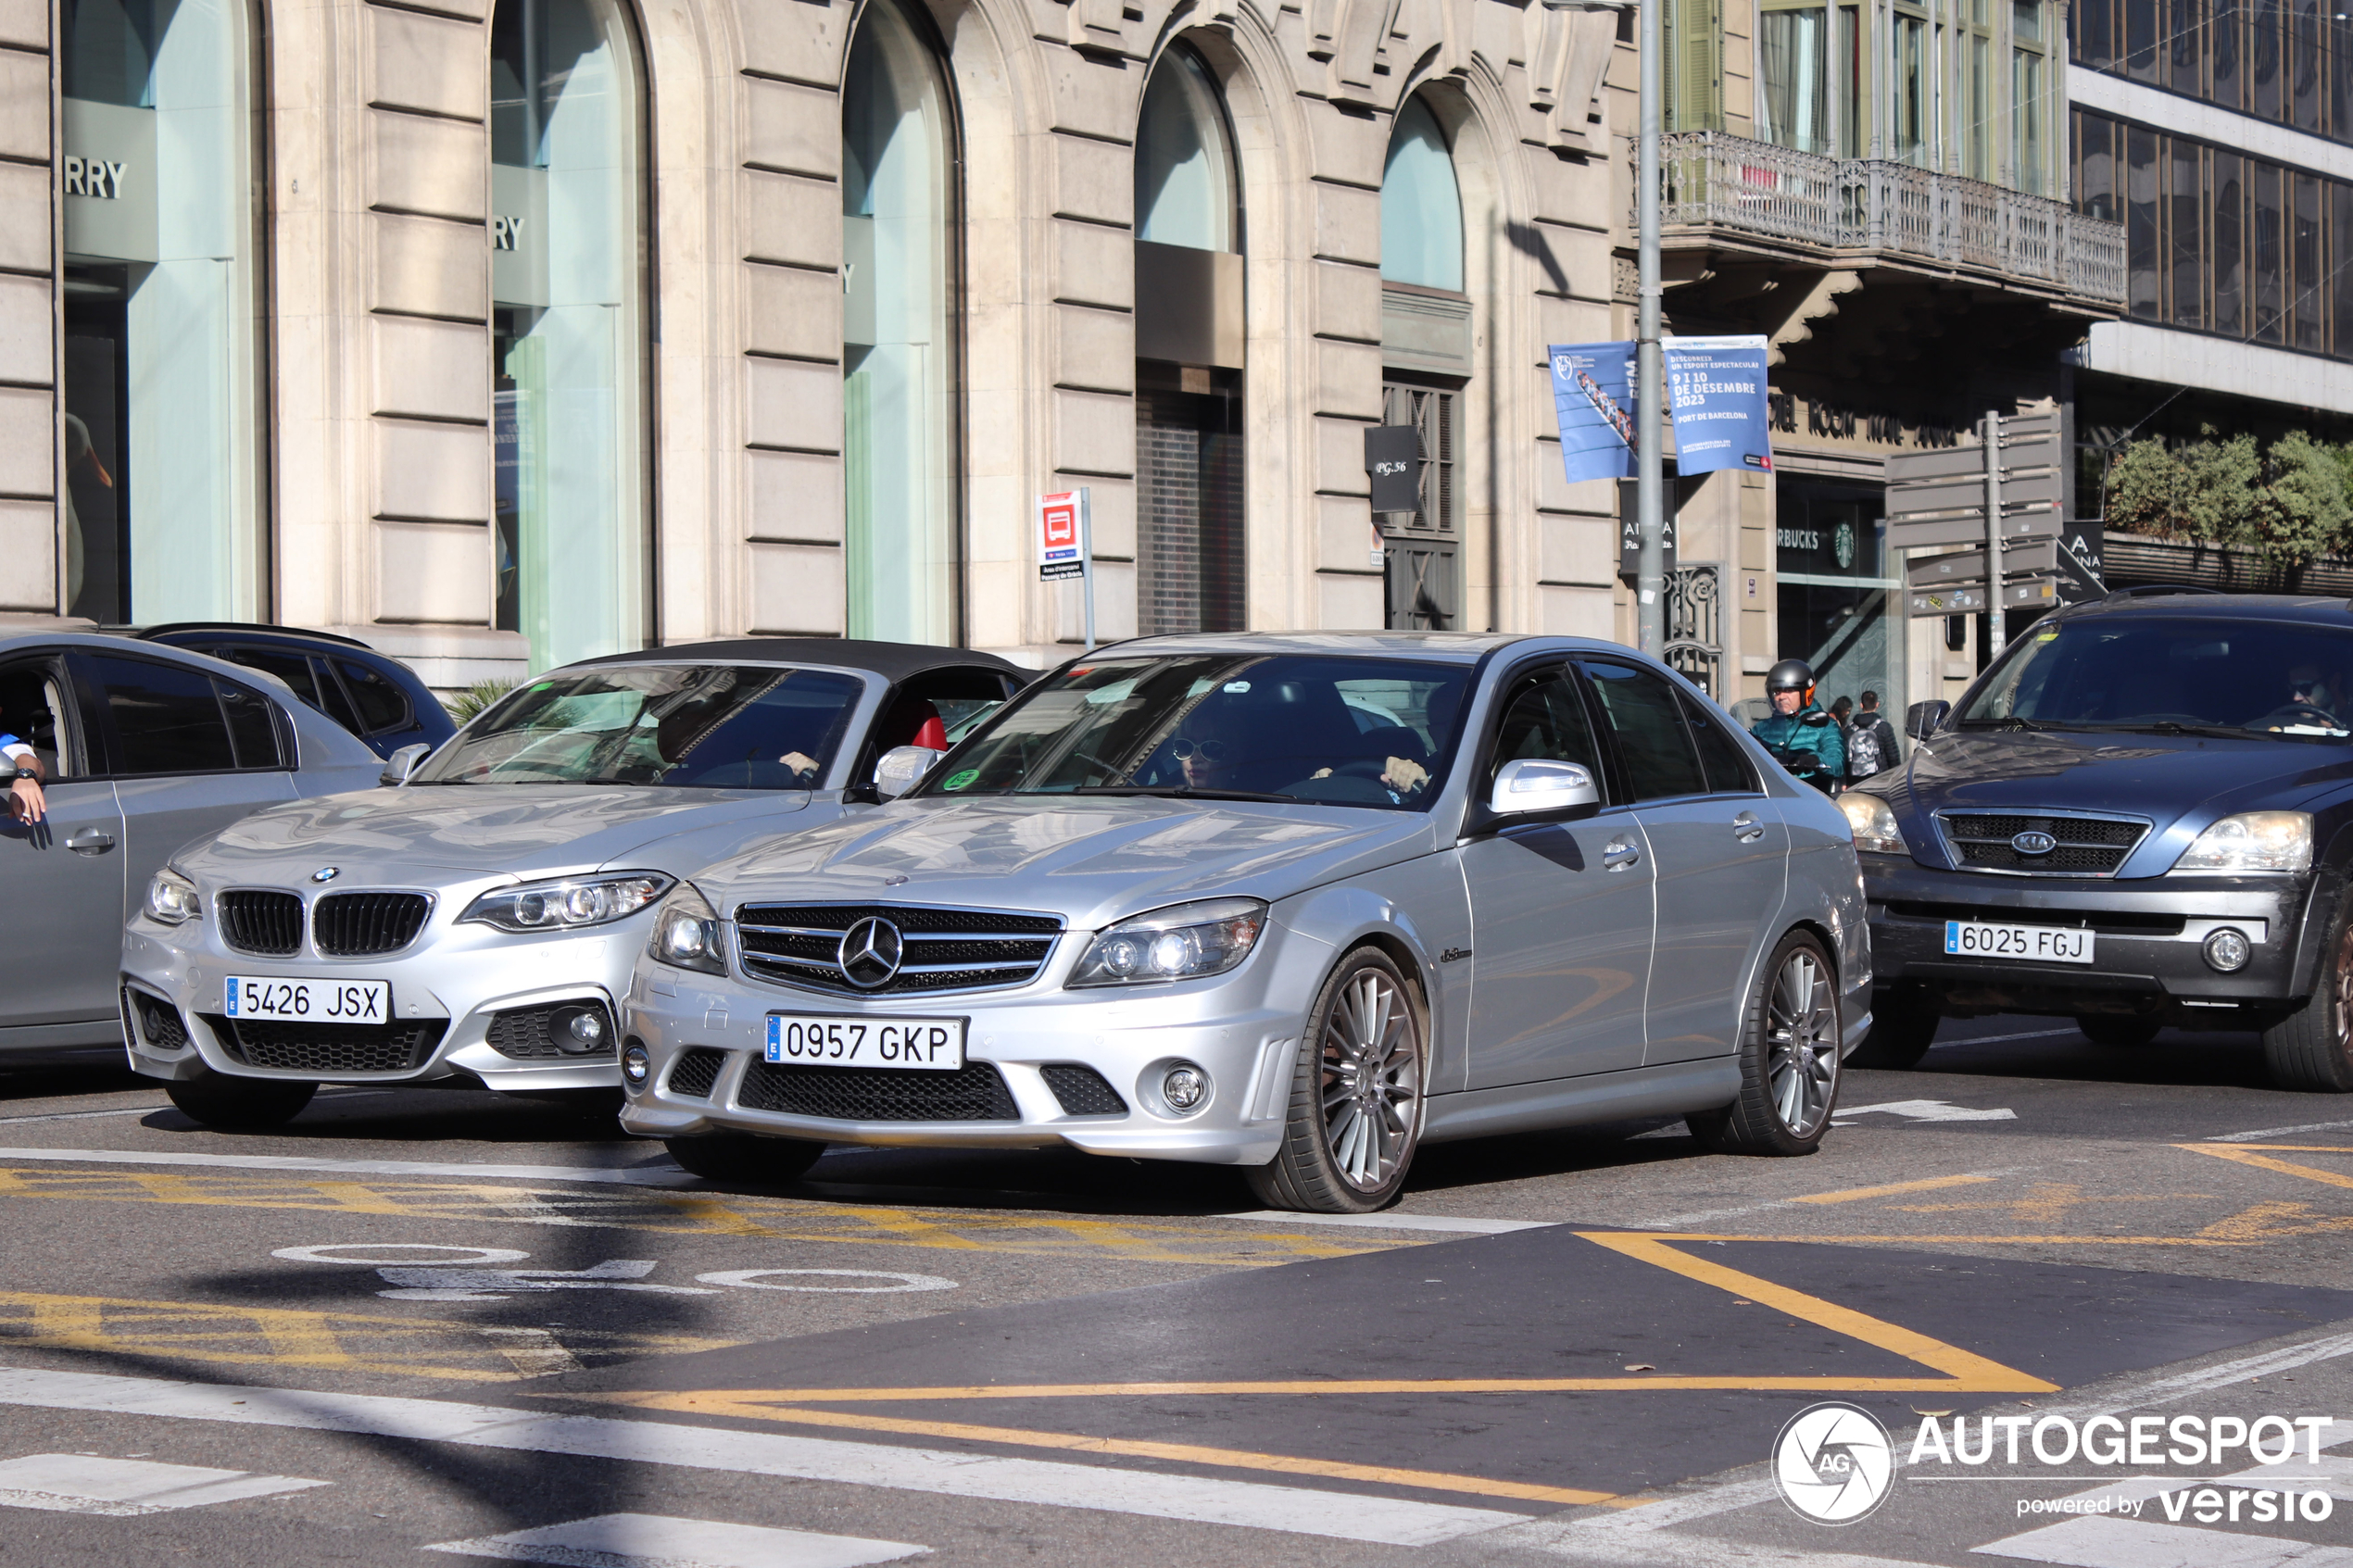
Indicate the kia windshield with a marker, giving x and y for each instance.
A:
(706, 726)
(2187, 676)
(1349, 731)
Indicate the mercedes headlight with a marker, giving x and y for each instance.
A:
(1182, 942)
(2252, 841)
(171, 898)
(566, 903)
(1873, 822)
(686, 932)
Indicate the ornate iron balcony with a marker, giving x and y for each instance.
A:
(1810, 202)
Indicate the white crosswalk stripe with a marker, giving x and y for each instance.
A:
(2137, 1543)
(128, 1488)
(649, 1540)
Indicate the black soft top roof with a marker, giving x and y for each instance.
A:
(893, 661)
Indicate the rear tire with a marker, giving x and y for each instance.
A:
(1902, 1027)
(2116, 1031)
(1789, 1059)
(239, 1105)
(2311, 1048)
(1356, 1086)
(734, 1157)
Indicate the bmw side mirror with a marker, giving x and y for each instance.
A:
(401, 763)
(902, 767)
(1921, 718)
(1531, 783)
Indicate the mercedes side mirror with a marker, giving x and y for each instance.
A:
(401, 763)
(1921, 718)
(902, 767)
(1531, 783)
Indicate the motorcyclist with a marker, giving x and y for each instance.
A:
(1797, 730)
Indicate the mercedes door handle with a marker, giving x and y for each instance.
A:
(1746, 828)
(1619, 855)
(90, 841)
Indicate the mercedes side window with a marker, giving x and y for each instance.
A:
(1726, 766)
(34, 708)
(1654, 743)
(170, 719)
(1545, 719)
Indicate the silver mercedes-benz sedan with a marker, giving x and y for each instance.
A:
(1297, 903)
(475, 925)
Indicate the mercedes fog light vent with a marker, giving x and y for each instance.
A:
(635, 1062)
(2228, 949)
(1186, 1087)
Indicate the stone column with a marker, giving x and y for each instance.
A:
(28, 567)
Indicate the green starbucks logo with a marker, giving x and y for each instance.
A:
(1842, 546)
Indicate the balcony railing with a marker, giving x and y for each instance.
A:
(1719, 181)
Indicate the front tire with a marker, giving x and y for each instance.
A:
(1356, 1114)
(1789, 1059)
(239, 1105)
(734, 1157)
(2311, 1048)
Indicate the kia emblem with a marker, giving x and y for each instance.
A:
(871, 952)
(2033, 841)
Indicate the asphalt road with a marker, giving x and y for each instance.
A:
(428, 1321)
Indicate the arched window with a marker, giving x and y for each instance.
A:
(899, 348)
(569, 326)
(1421, 207)
(1189, 355)
(163, 503)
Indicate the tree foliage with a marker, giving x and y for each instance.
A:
(2287, 503)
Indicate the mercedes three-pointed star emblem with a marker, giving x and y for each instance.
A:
(871, 953)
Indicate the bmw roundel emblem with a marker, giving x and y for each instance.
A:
(326, 873)
(2033, 841)
(871, 953)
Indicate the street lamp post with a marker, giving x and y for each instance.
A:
(1650, 371)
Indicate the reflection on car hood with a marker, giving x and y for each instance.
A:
(2188, 780)
(478, 829)
(1092, 859)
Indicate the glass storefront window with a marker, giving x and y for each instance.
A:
(568, 318)
(162, 429)
(1840, 605)
(1421, 206)
(899, 348)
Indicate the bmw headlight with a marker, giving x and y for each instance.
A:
(1182, 942)
(2252, 841)
(171, 898)
(571, 901)
(686, 932)
(1873, 822)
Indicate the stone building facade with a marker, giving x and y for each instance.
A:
(498, 332)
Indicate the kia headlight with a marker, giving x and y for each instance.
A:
(1873, 822)
(567, 903)
(1183, 942)
(686, 932)
(2252, 841)
(171, 898)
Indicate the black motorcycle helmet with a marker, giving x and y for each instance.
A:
(1792, 676)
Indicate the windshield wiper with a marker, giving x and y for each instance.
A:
(2175, 727)
(1181, 792)
(2009, 721)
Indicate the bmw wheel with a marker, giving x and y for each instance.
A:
(239, 1105)
(1789, 1058)
(1355, 1112)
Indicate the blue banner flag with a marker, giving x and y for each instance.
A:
(1716, 388)
(1594, 399)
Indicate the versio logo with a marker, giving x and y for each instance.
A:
(1833, 1463)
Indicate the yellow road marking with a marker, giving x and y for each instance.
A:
(2244, 1154)
(342, 1341)
(2045, 1202)
(1924, 1238)
(1856, 1195)
(754, 1408)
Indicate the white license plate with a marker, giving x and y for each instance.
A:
(2036, 944)
(309, 1001)
(921, 1045)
